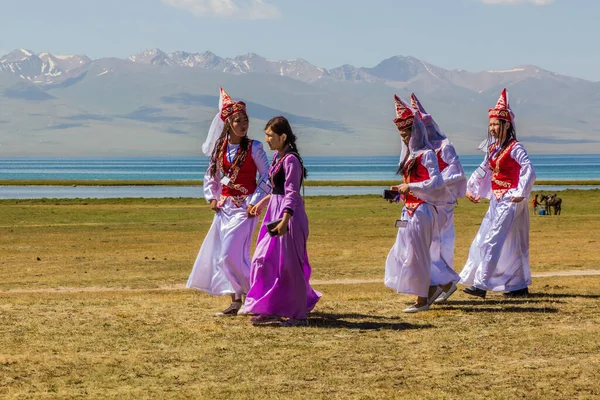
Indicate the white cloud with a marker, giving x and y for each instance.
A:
(235, 9)
(536, 2)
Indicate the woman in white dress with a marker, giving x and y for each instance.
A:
(231, 188)
(408, 265)
(453, 174)
(499, 256)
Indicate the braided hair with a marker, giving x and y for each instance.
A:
(281, 125)
(221, 147)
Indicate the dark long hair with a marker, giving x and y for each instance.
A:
(281, 125)
(219, 148)
(402, 165)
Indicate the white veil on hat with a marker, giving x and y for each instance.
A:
(436, 137)
(227, 107)
(406, 117)
(215, 130)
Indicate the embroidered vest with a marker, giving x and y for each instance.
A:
(418, 173)
(505, 171)
(277, 174)
(243, 179)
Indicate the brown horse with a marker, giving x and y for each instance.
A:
(555, 202)
(551, 202)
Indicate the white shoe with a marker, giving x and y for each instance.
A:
(415, 309)
(444, 296)
(434, 297)
(242, 311)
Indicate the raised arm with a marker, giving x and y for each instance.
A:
(262, 166)
(454, 174)
(527, 174)
(432, 190)
(480, 182)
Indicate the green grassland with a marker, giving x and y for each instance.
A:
(91, 306)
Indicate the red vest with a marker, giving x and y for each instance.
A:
(246, 176)
(418, 173)
(443, 164)
(505, 171)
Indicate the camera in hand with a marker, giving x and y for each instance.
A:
(390, 195)
(272, 225)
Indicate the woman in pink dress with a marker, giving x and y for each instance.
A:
(280, 292)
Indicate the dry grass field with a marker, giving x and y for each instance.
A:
(91, 307)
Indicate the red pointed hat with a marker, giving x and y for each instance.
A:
(405, 115)
(230, 106)
(502, 109)
(417, 106)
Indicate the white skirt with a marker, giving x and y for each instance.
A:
(223, 263)
(408, 265)
(442, 248)
(499, 256)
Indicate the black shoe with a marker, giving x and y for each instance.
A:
(230, 311)
(473, 291)
(517, 293)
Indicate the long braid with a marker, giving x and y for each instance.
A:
(400, 169)
(219, 149)
(294, 148)
(239, 159)
(217, 152)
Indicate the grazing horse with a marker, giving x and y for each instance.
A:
(555, 202)
(551, 201)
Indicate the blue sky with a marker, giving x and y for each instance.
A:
(558, 35)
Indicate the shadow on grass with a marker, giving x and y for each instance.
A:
(348, 316)
(325, 320)
(563, 295)
(493, 302)
(509, 309)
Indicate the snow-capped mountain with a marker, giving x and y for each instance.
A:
(248, 63)
(152, 98)
(43, 67)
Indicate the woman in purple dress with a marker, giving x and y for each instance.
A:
(280, 292)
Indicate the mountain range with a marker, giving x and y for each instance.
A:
(157, 103)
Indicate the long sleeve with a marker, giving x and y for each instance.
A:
(527, 174)
(454, 174)
(481, 185)
(293, 181)
(431, 190)
(212, 185)
(435, 180)
(262, 166)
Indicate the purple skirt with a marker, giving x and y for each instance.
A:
(279, 279)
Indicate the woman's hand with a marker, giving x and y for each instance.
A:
(283, 228)
(473, 198)
(213, 205)
(403, 189)
(250, 213)
(517, 199)
(257, 209)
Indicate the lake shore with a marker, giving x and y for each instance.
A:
(382, 183)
